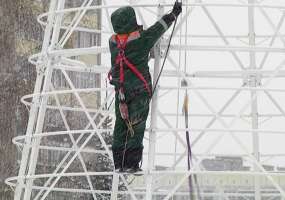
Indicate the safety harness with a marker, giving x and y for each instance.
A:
(122, 61)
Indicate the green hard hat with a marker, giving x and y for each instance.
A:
(124, 20)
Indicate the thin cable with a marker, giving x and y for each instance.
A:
(178, 95)
(164, 60)
(186, 114)
(124, 152)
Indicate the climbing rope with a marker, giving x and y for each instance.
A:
(189, 149)
(192, 179)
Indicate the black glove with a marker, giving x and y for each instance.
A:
(177, 8)
(169, 18)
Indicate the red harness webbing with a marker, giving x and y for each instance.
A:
(121, 59)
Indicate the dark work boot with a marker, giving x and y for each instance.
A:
(118, 159)
(134, 170)
(133, 158)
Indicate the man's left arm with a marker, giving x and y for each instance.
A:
(153, 33)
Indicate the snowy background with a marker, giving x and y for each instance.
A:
(21, 36)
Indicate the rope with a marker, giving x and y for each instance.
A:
(189, 150)
(124, 152)
(192, 179)
(186, 115)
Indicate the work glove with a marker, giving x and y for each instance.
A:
(172, 16)
(177, 9)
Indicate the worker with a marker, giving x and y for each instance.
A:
(130, 47)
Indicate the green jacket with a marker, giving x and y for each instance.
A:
(137, 49)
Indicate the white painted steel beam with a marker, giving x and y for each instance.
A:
(153, 115)
(254, 105)
(34, 109)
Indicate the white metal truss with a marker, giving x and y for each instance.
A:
(238, 120)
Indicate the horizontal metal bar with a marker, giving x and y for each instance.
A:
(103, 152)
(237, 74)
(100, 50)
(50, 148)
(260, 115)
(79, 51)
(174, 73)
(99, 7)
(88, 90)
(81, 67)
(225, 48)
(260, 131)
(161, 130)
(153, 172)
(90, 110)
(139, 191)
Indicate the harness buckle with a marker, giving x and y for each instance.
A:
(121, 96)
(122, 52)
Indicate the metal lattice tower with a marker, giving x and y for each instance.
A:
(233, 67)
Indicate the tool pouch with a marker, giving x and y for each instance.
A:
(124, 110)
(123, 105)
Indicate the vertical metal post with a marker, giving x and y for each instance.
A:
(35, 102)
(153, 125)
(115, 184)
(43, 102)
(254, 108)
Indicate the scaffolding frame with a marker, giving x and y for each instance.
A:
(54, 57)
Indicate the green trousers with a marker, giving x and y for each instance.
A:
(127, 149)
